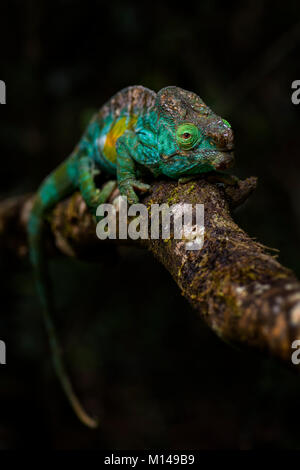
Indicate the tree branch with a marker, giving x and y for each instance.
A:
(240, 290)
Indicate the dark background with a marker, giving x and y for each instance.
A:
(139, 356)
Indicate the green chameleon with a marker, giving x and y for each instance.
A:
(135, 134)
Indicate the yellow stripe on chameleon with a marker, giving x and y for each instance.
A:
(118, 129)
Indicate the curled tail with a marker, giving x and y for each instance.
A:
(51, 191)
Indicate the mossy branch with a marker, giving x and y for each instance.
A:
(241, 291)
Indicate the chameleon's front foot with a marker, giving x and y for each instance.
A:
(127, 188)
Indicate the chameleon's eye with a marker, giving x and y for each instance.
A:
(187, 136)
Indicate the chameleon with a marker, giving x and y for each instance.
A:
(137, 134)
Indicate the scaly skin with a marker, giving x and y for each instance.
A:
(137, 133)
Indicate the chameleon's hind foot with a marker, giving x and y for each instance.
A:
(102, 195)
(107, 190)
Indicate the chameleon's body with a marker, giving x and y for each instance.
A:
(137, 133)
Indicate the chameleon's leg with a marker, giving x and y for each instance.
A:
(53, 189)
(90, 193)
(127, 181)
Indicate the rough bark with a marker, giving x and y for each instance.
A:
(236, 286)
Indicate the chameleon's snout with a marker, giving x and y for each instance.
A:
(226, 161)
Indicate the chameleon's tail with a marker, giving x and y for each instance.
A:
(38, 260)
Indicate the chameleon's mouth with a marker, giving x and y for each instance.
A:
(226, 160)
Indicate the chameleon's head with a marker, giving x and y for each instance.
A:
(191, 138)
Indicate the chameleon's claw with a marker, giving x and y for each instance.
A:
(128, 192)
(126, 189)
(132, 198)
(143, 187)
